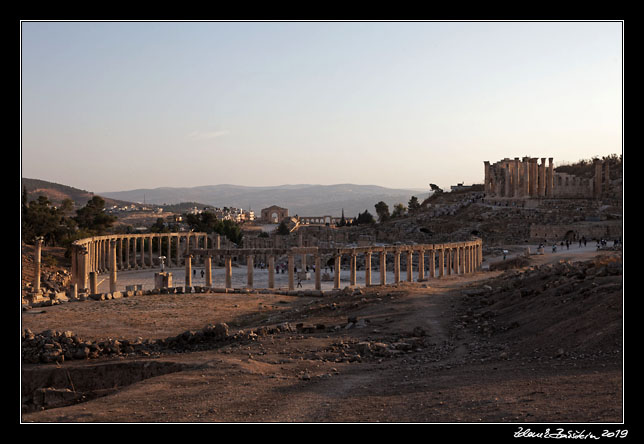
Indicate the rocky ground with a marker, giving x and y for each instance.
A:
(538, 344)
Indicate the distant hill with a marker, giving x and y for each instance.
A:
(303, 200)
(56, 193)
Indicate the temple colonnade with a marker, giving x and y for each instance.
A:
(113, 253)
(134, 252)
(453, 258)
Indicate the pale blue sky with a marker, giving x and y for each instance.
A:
(110, 106)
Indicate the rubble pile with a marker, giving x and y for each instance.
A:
(566, 309)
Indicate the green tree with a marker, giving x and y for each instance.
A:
(399, 210)
(382, 210)
(93, 218)
(282, 229)
(207, 222)
(40, 218)
(364, 218)
(159, 226)
(413, 205)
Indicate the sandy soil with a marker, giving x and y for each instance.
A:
(485, 348)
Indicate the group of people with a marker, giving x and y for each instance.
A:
(601, 243)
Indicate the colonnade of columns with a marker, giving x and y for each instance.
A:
(519, 178)
(112, 253)
(447, 259)
(133, 252)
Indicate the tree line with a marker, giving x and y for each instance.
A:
(59, 226)
(382, 209)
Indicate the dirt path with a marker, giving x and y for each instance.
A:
(384, 354)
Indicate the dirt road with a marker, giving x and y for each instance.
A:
(462, 349)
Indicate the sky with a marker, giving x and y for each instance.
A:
(113, 106)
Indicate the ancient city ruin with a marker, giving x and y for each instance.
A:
(490, 279)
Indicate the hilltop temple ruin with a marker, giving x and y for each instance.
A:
(526, 179)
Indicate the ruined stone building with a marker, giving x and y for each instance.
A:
(273, 214)
(525, 178)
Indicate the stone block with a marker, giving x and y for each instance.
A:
(61, 296)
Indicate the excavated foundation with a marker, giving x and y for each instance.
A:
(45, 387)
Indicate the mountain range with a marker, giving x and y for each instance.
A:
(303, 200)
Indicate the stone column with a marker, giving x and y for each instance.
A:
(383, 268)
(37, 257)
(150, 250)
(84, 267)
(142, 253)
(228, 260)
(597, 191)
(291, 272)
(336, 271)
(432, 264)
(526, 177)
(516, 191)
(103, 257)
(550, 179)
(367, 268)
(208, 265)
(160, 248)
(421, 265)
(100, 256)
(352, 273)
(448, 262)
(486, 169)
(397, 267)
(112, 266)
(130, 241)
(168, 254)
(90, 255)
(533, 177)
(93, 285)
(506, 177)
(473, 258)
(271, 271)
(107, 261)
(466, 259)
(136, 261)
(441, 262)
(410, 265)
(457, 265)
(95, 256)
(188, 261)
(120, 253)
(249, 270)
(318, 283)
(178, 263)
(74, 263)
(542, 178)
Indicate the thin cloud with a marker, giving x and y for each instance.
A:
(206, 135)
